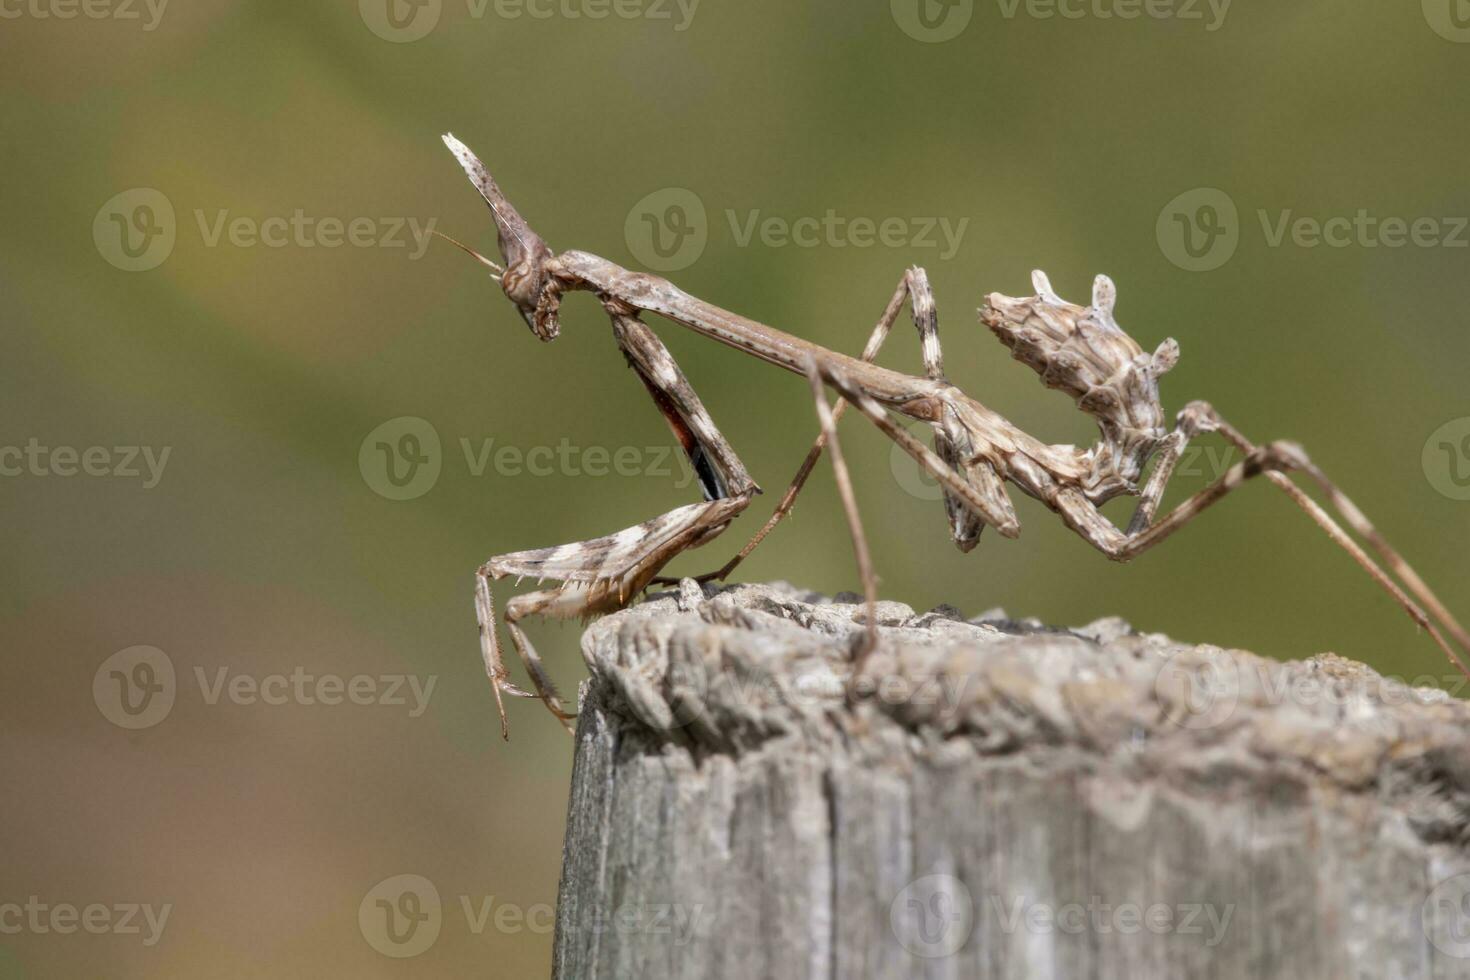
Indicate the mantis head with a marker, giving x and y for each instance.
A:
(526, 276)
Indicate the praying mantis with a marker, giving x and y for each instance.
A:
(975, 452)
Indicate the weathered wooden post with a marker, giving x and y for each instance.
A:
(1004, 800)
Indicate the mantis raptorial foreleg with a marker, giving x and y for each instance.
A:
(604, 574)
(598, 576)
(500, 681)
(719, 469)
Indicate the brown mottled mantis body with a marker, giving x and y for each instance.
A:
(1080, 350)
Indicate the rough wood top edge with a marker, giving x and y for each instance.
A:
(728, 670)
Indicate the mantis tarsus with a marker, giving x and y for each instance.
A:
(1080, 350)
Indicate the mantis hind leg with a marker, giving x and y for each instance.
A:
(1273, 461)
(828, 422)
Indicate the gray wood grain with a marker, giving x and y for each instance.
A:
(1011, 801)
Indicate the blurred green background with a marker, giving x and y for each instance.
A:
(265, 547)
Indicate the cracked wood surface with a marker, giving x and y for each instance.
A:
(1005, 800)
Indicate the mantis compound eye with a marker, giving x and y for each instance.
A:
(522, 286)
